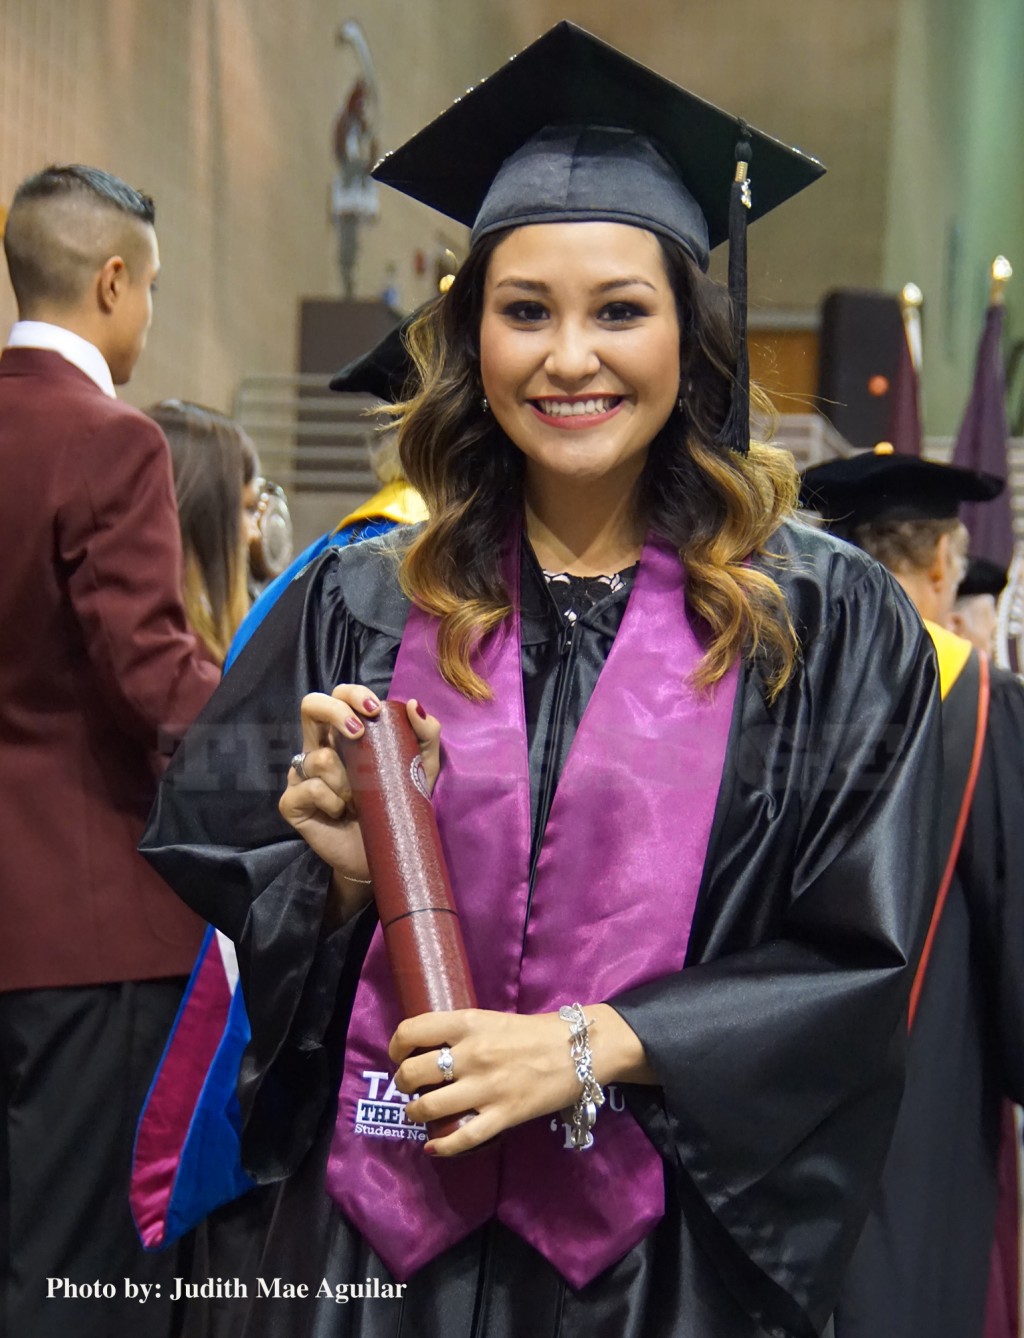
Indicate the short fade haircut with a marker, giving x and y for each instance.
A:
(64, 224)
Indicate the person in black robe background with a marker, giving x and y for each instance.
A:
(775, 1057)
(922, 1266)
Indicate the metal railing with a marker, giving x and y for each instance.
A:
(810, 437)
(308, 437)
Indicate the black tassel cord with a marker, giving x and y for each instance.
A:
(736, 429)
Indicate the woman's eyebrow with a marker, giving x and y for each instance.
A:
(536, 286)
(524, 285)
(631, 282)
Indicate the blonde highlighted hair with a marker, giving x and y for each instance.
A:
(717, 508)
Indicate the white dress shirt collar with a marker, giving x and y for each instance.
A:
(85, 356)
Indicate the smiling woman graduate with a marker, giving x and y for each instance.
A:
(684, 751)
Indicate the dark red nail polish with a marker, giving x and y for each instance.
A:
(420, 711)
(430, 1151)
(353, 726)
(371, 704)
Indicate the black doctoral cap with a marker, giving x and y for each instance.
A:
(984, 577)
(572, 130)
(384, 371)
(884, 485)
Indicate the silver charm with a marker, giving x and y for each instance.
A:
(591, 1098)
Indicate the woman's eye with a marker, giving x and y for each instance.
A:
(527, 312)
(620, 313)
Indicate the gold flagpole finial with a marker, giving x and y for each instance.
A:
(1001, 273)
(911, 301)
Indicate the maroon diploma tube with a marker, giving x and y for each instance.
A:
(410, 879)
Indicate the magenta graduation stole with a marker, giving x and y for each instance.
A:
(616, 885)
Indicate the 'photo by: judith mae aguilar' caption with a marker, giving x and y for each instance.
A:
(280, 1289)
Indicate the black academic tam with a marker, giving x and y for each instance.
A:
(884, 485)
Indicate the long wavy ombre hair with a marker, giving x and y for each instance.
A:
(714, 506)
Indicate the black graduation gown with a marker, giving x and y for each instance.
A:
(780, 1046)
(922, 1265)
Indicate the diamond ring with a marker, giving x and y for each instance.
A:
(446, 1063)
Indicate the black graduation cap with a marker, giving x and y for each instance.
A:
(572, 129)
(984, 577)
(885, 485)
(568, 77)
(384, 371)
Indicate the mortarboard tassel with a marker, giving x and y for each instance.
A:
(736, 429)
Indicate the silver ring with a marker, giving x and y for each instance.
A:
(299, 766)
(446, 1063)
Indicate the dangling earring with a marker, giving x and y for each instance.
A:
(484, 406)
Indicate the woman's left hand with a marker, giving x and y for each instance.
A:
(508, 1067)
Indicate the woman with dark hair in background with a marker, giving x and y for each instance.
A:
(679, 731)
(212, 1030)
(215, 468)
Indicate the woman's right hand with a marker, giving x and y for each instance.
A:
(320, 807)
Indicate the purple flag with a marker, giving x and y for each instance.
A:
(1002, 1312)
(982, 445)
(904, 429)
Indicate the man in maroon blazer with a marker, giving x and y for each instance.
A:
(98, 675)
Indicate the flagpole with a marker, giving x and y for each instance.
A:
(903, 428)
(911, 301)
(1009, 640)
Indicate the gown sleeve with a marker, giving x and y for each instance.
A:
(780, 1046)
(992, 867)
(216, 836)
